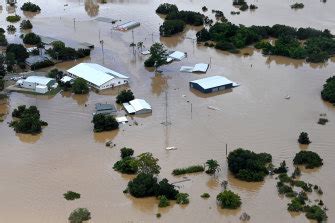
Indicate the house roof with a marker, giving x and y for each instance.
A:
(200, 67)
(136, 105)
(95, 73)
(211, 82)
(177, 55)
(38, 80)
(104, 107)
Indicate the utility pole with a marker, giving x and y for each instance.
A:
(99, 35)
(74, 23)
(102, 48)
(191, 110)
(226, 150)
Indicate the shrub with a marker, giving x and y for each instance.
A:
(304, 139)
(42, 64)
(322, 121)
(127, 165)
(70, 195)
(32, 39)
(166, 8)
(295, 205)
(163, 202)
(3, 40)
(13, 18)
(104, 122)
(182, 198)
(171, 27)
(282, 169)
(244, 7)
(247, 165)
(228, 199)
(124, 96)
(205, 195)
(253, 7)
(143, 185)
(308, 158)
(79, 215)
(126, 152)
(158, 215)
(18, 51)
(328, 92)
(30, 7)
(80, 86)
(316, 213)
(166, 189)
(284, 189)
(11, 28)
(190, 169)
(212, 166)
(203, 35)
(26, 24)
(284, 178)
(297, 6)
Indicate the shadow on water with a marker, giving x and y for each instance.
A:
(28, 138)
(243, 185)
(203, 95)
(81, 99)
(159, 84)
(146, 205)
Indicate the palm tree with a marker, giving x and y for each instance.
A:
(213, 166)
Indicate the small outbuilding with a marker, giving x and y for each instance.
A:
(127, 26)
(198, 68)
(137, 106)
(38, 83)
(176, 55)
(212, 84)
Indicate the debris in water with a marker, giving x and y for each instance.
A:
(287, 97)
(213, 108)
(244, 217)
(171, 148)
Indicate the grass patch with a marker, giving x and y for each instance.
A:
(190, 169)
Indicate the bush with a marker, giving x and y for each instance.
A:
(124, 96)
(328, 92)
(189, 17)
(3, 40)
(284, 178)
(104, 122)
(80, 86)
(297, 6)
(205, 195)
(143, 185)
(163, 202)
(284, 189)
(171, 27)
(150, 62)
(30, 7)
(190, 169)
(253, 7)
(304, 139)
(26, 24)
(127, 165)
(42, 64)
(228, 199)
(282, 169)
(18, 51)
(308, 158)
(295, 205)
(11, 28)
(182, 198)
(126, 152)
(79, 215)
(316, 213)
(13, 18)
(166, 189)
(247, 165)
(70, 195)
(32, 39)
(244, 7)
(166, 8)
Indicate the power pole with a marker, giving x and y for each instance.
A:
(102, 48)
(74, 23)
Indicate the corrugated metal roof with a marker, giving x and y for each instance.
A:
(212, 82)
(136, 105)
(38, 80)
(95, 73)
(200, 67)
(177, 55)
(130, 109)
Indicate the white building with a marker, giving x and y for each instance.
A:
(137, 106)
(38, 83)
(97, 76)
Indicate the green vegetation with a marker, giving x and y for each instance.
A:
(228, 199)
(304, 139)
(205, 195)
(158, 56)
(2, 31)
(32, 39)
(104, 122)
(148, 164)
(3, 40)
(126, 152)
(247, 165)
(11, 29)
(308, 158)
(158, 215)
(42, 64)
(281, 169)
(328, 92)
(190, 169)
(297, 6)
(163, 201)
(26, 24)
(182, 198)
(13, 18)
(18, 52)
(3, 70)
(80, 86)
(166, 8)
(79, 215)
(316, 213)
(70, 195)
(124, 96)
(30, 7)
(295, 205)
(212, 166)
(171, 27)
(127, 165)
(55, 73)
(189, 17)
(28, 120)
(60, 52)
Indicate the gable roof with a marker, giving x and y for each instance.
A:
(38, 80)
(95, 73)
(211, 82)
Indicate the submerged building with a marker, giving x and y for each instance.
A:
(212, 84)
(38, 83)
(137, 106)
(97, 76)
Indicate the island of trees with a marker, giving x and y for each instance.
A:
(30, 7)
(328, 92)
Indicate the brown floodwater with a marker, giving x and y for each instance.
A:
(36, 170)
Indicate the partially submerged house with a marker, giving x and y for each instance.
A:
(127, 26)
(198, 68)
(137, 106)
(212, 84)
(176, 55)
(105, 109)
(39, 84)
(97, 76)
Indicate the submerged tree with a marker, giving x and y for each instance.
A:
(304, 139)
(158, 56)
(212, 166)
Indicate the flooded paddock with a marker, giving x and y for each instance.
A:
(36, 170)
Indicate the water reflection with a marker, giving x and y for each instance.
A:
(280, 60)
(103, 137)
(91, 8)
(228, 212)
(243, 185)
(28, 138)
(81, 99)
(30, 15)
(159, 84)
(146, 205)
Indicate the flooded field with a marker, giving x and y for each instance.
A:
(35, 171)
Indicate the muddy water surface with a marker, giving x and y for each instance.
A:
(36, 170)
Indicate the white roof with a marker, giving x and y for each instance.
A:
(66, 79)
(200, 67)
(38, 80)
(95, 73)
(136, 105)
(177, 55)
(41, 87)
(211, 82)
(122, 119)
(146, 52)
(186, 69)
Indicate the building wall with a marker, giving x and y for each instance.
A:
(211, 90)
(143, 111)
(113, 83)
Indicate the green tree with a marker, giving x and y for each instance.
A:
(19, 51)
(303, 138)
(171, 27)
(212, 166)
(104, 122)
(182, 198)
(143, 185)
(166, 189)
(26, 24)
(124, 96)
(30, 7)
(166, 8)
(2, 66)
(3, 40)
(163, 202)
(126, 152)
(127, 165)
(228, 199)
(328, 92)
(148, 164)
(32, 39)
(70, 195)
(80, 86)
(79, 215)
(308, 158)
(158, 55)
